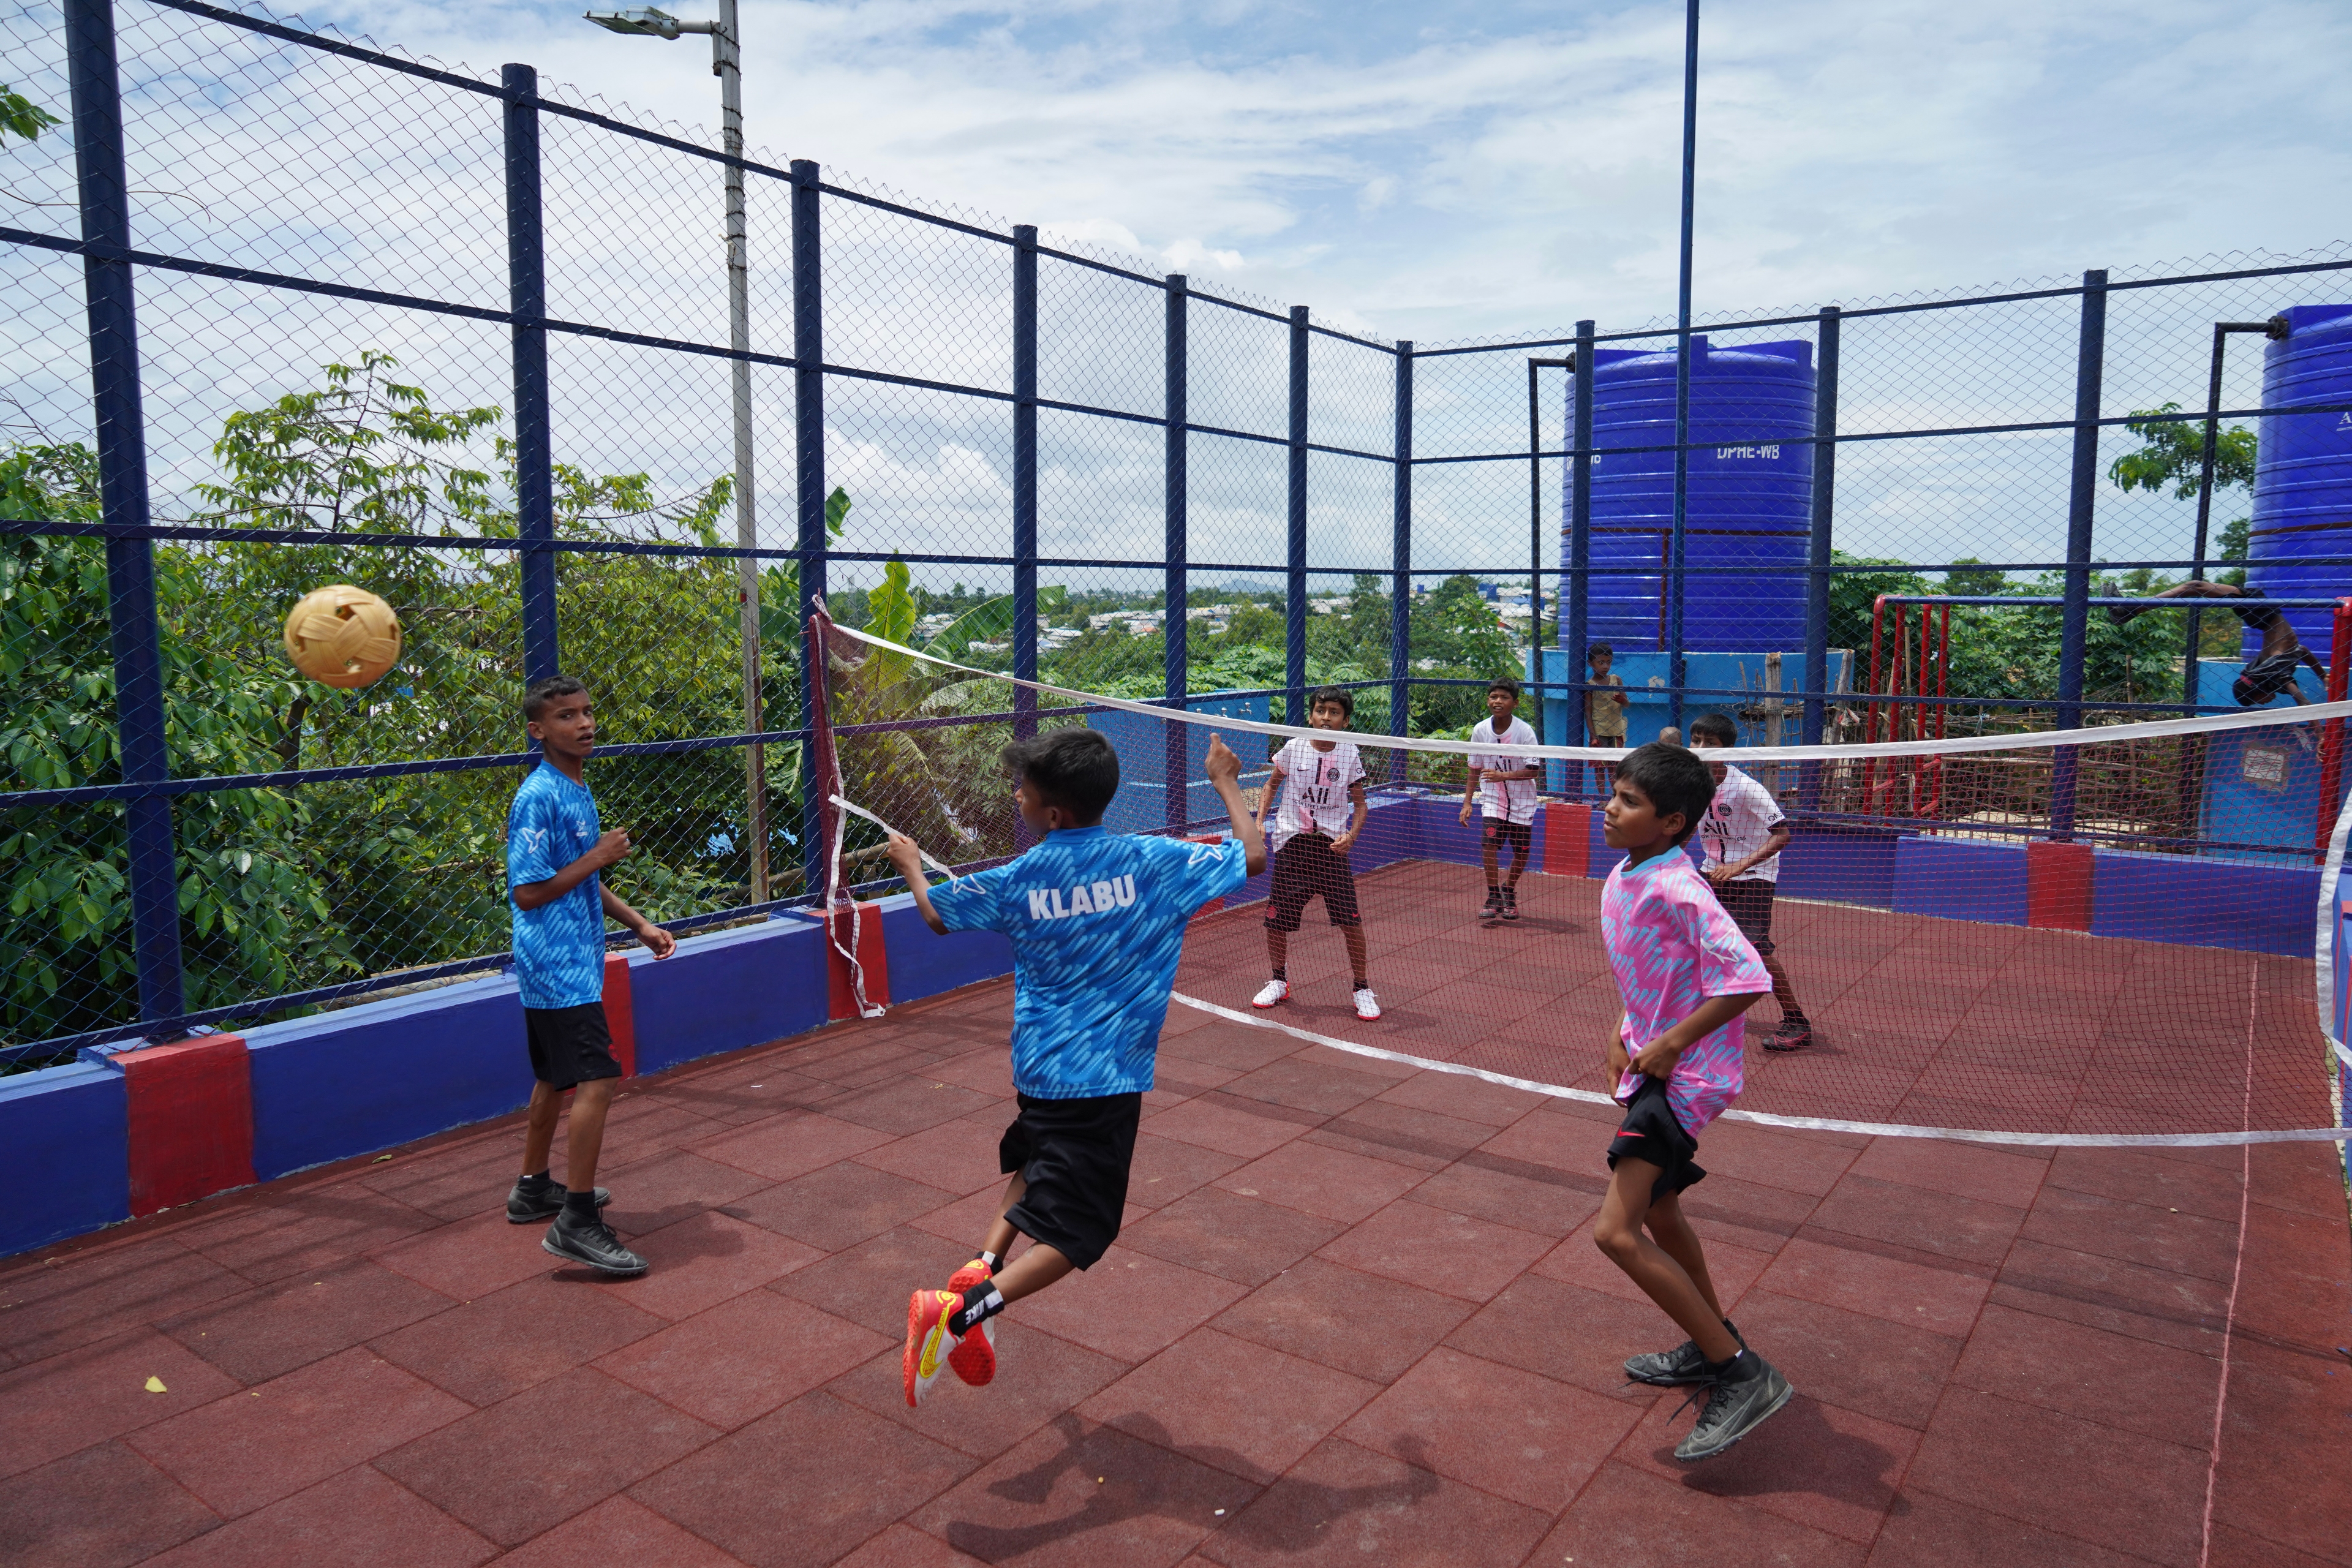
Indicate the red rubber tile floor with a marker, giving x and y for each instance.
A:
(1357, 1315)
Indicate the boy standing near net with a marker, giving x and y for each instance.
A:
(1687, 976)
(556, 849)
(1504, 789)
(1604, 709)
(1321, 786)
(1098, 924)
(1743, 834)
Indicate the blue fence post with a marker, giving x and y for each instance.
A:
(808, 463)
(1177, 587)
(534, 444)
(1024, 478)
(1817, 545)
(2073, 635)
(1677, 541)
(1295, 587)
(136, 629)
(1401, 560)
(1576, 622)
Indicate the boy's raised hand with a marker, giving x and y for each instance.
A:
(1222, 766)
(905, 860)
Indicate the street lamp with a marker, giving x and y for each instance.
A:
(727, 64)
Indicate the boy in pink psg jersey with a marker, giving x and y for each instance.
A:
(1687, 975)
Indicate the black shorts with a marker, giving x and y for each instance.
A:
(1520, 836)
(570, 1045)
(1303, 867)
(1748, 902)
(1074, 1155)
(2264, 679)
(1649, 1133)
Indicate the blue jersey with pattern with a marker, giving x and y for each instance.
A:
(1097, 922)
(558, 947)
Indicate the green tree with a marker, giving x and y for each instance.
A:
(2172, 454)
(21, 116)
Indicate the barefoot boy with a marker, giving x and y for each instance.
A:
(555, 847)
(1321, 786)
(1687, 975)
(1504, 789)
(1604, 709)
(1098, 923)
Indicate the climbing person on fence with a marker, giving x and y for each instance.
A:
(1743, 834)
(2272, 673)
(1097, 921)
(556, 849)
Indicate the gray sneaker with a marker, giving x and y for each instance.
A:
(592, 1242)
(526, 1204)
(1739, 1400)
(1686, 1363)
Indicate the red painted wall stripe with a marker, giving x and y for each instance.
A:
(872, 958)
(621, 1013)
(1568, 838)
(2058, 879)
(190, 1109)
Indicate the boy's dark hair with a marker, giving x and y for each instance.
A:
(1338, 694)
(1597, 649)
(1506, 685)
(1673, 779)
(1075, 769)
(1716, 727)
(546, 689)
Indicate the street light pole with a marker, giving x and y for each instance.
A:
(727, 64)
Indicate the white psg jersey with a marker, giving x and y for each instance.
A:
(1736, 825)
(1512, 800)
(1314, 789)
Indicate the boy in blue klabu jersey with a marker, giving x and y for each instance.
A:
(1098, 923)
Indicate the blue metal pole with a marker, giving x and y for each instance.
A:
(1818, 543)
(136, 629)
(1401, 559)
(534, 443)
(1576, 622)
(1294, 596)
(1676, 673)
(808, 462)
(1024, 477)
(2074, 635)
(1177, 588)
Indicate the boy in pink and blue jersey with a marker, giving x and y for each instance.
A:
(1687, 975)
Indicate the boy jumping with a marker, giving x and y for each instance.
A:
(1505, 790)
(1744, 833)
(1098, 924)
(1687, 975)
(555, 847)
(1323, 809)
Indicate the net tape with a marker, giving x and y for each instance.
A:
(2023, 741)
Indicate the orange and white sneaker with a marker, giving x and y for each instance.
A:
(974, 1357)
(929, 1340)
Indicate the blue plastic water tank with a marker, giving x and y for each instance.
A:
(1750, 500)
(2303, 484)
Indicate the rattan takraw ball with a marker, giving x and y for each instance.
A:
(342, 635)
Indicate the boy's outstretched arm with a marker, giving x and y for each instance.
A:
(1224, 771)
(659, 942)
(908, 862)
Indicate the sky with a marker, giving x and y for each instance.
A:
(1444, 170)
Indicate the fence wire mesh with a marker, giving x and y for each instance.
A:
(332, 266)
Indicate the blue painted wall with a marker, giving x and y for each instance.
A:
(1960, 879)
(65, 1153)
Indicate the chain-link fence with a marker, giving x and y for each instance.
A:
(286, 310)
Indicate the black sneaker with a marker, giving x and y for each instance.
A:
(592, 1242)
(1686, 1363)
(1510, 904)
(526, 1203)
(1493, 908)
(1739, 1399)
(1793, 1035)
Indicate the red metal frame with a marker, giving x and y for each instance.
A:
(1904, 665)
(2331, 734)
